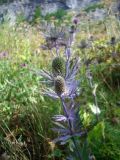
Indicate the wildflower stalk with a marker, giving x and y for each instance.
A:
(57, 49)
(70, 128)
(90, 80)
(67, 60)
(89, 77)
(63, 79)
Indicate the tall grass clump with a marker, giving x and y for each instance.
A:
(24, 130)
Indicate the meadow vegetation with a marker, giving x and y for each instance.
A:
(26, 114)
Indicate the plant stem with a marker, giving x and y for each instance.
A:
(70, 128)
(57, 49)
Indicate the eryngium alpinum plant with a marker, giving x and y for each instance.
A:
(65, 87)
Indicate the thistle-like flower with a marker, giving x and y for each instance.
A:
(67, 72)
(59, 84)
(4, 55)
(75, 21)
(55, 38)
(64, 86)
(58, 66)
(70, 90)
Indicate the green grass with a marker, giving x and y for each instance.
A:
(93, 7)
(26, 115)
(24, 112)
(22, 107)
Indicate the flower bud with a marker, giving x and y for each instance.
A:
(59, 84)
(75, 21)
(58, 66)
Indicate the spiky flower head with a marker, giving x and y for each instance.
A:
(75, 21)
(58, 66)
(59, 84)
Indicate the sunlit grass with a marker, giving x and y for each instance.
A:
(25, 115)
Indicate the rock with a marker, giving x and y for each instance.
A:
(10, 12)
(51, 7)
(72, 3)
(98, 14)
(115, 8)
(26, 8)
